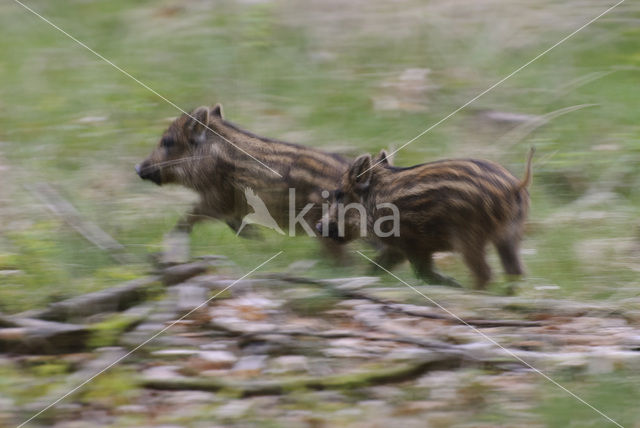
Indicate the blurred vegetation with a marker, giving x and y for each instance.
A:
(615, 393)
(284, 71)
(324, 74)
(315, 75)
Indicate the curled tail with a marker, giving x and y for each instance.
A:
(526, 180)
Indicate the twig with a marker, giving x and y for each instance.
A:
(521, 131)
(68, 213)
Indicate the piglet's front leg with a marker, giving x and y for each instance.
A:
(176, 244)
(188, 220)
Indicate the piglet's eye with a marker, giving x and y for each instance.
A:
(167, 142)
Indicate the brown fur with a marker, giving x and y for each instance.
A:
(448, 205)
(220, 160)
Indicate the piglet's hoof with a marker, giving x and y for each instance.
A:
(175, 248)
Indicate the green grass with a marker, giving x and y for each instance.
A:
(309, 73)
(282, 69)
(615, 395)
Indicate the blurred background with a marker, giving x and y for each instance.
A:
(351, 77)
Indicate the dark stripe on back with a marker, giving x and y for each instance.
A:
(333, 156)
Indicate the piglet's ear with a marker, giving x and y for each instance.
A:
(217, 111)
(383, 158)
(360, 172)
(198, 122)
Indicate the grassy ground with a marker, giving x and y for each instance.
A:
(323, 73)
(295, 72)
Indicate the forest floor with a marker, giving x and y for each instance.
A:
(197, 346)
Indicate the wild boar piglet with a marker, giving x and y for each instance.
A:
(456, 205)
(242, 178)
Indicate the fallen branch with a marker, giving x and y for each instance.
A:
(33, 336)
(68, 213)
(555, 307)
(109, 300)
(21, 335)
(420, 311)
(176, 274)
(336, 334)
(353, 290)
(438, 361)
